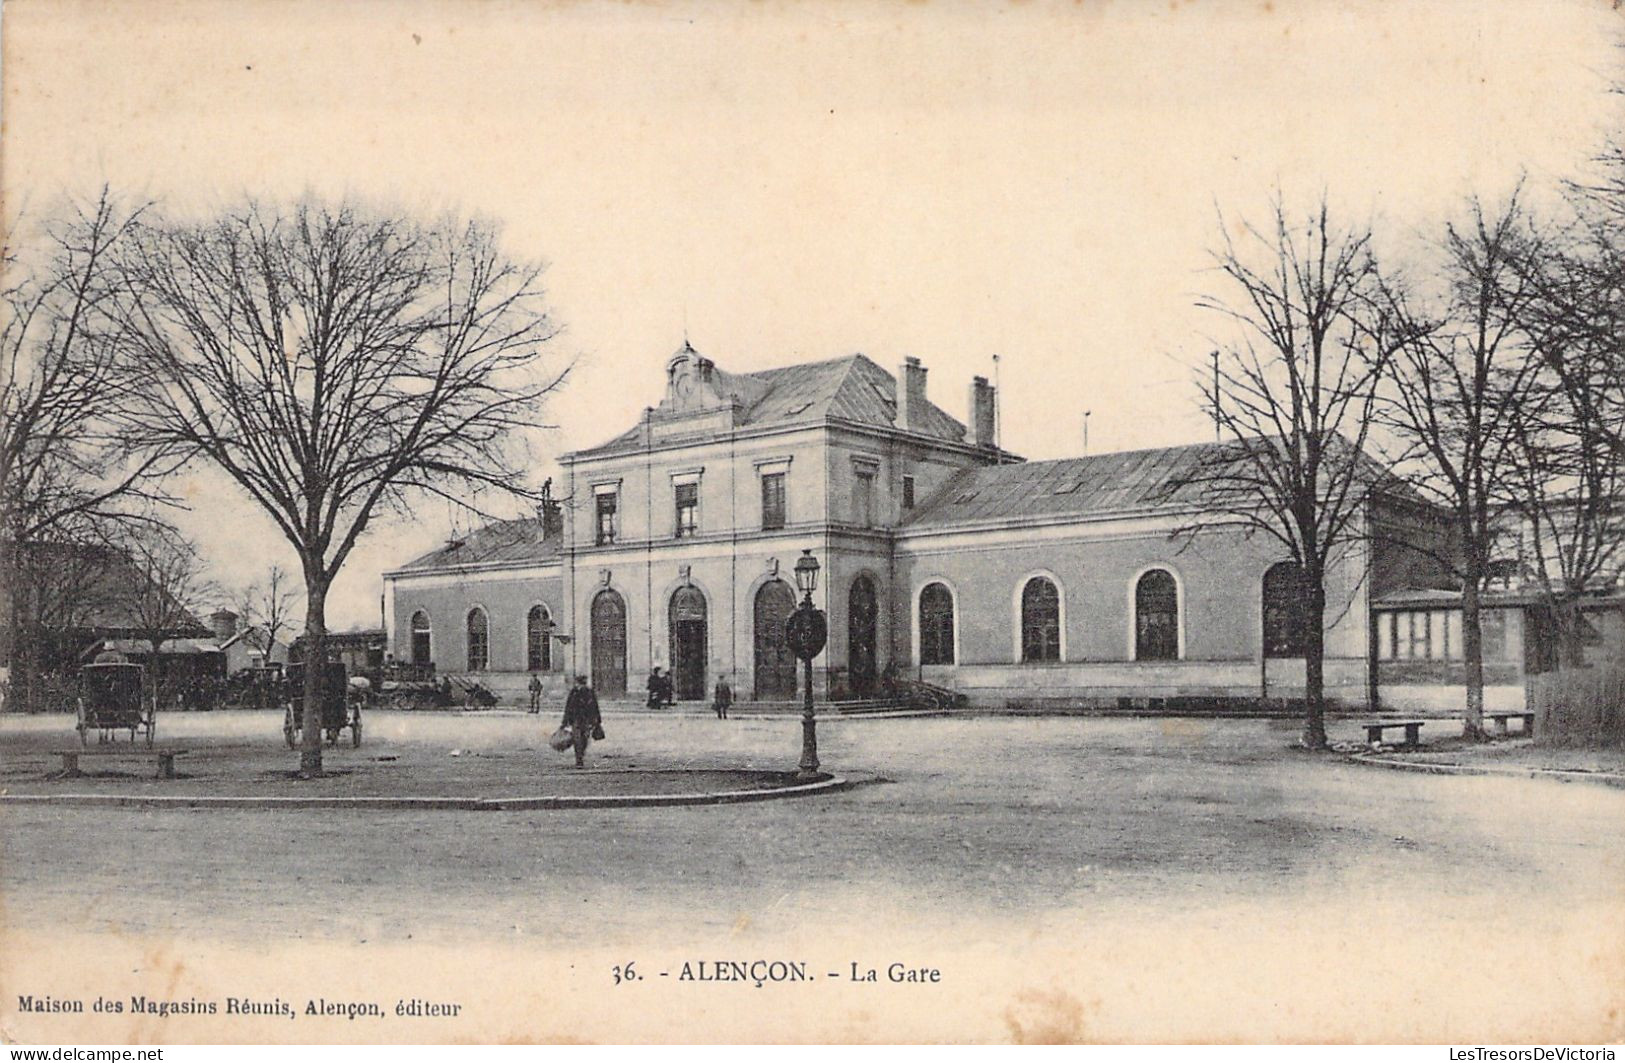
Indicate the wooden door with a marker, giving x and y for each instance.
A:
(775, 664)
(688, 644)
(609, 644)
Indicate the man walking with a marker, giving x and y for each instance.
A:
(723, 698)
(581, 715)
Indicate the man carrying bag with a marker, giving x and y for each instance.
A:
(582, 718)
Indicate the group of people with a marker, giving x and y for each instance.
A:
(661, 696)
(586, 722)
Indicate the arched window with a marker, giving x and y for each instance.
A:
(936, 625)
(1286, 610)
(1156, 617)
(1040, 621)
(420, 638)
(538, 640)
(479, 640)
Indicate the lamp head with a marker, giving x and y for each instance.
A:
(807, 572)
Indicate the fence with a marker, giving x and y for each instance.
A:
(1579, 706)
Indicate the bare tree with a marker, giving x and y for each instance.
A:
(333, 363)
(1461, 371)
(162, 594)
(268, 608)
(1293, 398)
(1570, 432)
(62, 460)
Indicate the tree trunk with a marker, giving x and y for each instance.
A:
(1472, 653)
(1314, 663)
(310, 744)
(1570, 638)
(22, 653)
(154, 669)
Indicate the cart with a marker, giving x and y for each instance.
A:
(339, 709)
(113, 697)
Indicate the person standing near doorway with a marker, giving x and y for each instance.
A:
(722, 698)
(535, 694)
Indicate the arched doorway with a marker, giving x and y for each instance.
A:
(1156, 617)
(860, 637)
(775, 664)
(609, 643)
(688, 646)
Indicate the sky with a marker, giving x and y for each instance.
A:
(798, 181)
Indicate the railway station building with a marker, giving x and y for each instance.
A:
(943, 558)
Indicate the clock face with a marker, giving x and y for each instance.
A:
(682, 379)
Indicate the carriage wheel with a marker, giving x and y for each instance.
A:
(355, 735)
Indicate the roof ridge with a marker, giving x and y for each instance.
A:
(804, 365)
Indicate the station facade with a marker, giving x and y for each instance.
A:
(942, 558)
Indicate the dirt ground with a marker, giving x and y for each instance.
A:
(242, 754)
(1199, 878)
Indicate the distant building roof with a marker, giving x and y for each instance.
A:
(180, 647)
(514, 541)
(851, 388)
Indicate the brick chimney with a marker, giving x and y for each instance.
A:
(224, 623)
(911, 395)
(551, 513)
(982, 415)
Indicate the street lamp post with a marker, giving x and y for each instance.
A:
(806, 632)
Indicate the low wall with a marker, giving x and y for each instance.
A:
(1448, 698)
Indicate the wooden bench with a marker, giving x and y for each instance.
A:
(1413, 732)
(165, 757)
(1501, 719)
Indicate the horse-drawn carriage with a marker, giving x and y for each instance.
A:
(340, 710)
(113, 697)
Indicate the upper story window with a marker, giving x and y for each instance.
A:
(772, 500)
(863, 498)
(908, 492)
(688, 509)
(608, 502)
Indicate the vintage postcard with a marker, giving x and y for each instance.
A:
(534, 522)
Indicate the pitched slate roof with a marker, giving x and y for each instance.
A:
(1128, 481)
(518, 540)
(851, 388)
